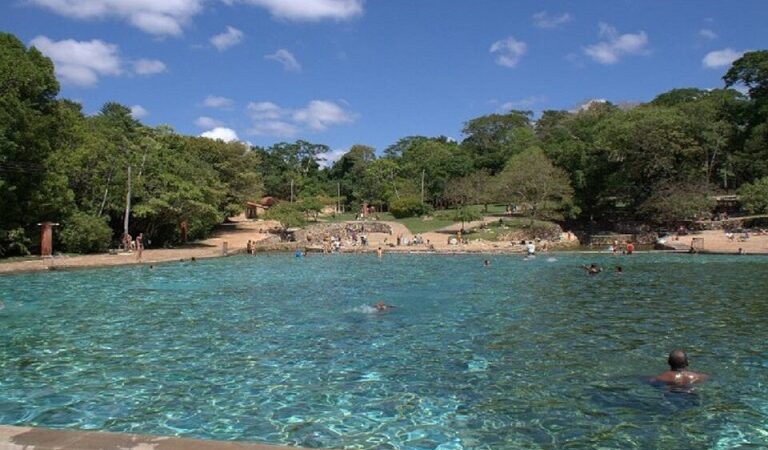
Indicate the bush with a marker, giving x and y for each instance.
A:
(408, 207)
(754, 196)
(14, 242)
(84, 233)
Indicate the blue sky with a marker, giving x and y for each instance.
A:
(344, 72)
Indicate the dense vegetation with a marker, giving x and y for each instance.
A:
(98, 175)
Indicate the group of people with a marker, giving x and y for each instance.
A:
(129, 244)
(250, 247)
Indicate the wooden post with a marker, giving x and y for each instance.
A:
(46, 239)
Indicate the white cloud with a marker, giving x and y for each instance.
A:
(285, 58)
(265, 110)
(720, 58)
(227, 39)
(277, 128)
(81, 62)
(706, 33)
(213, 101)
(320, 114)
(544, 20)
(208, 122)
(221, 133)
(138, 111)
(526, 102)
(311, 10)
(615, 46)
(270, 119)
(508, 51)
(148, 66)
(158, 17)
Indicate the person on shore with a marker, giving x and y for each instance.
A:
(592, 269)
(630, 248)
(530, 248)
(678, 373)
(139, 246)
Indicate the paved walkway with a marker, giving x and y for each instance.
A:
(25, 438)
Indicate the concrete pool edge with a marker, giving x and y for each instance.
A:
(30, 438)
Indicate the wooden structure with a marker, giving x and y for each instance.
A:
(46, 239)
(253, 210)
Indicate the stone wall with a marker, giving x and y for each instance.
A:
(317, 233)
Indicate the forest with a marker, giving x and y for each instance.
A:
(655, 163)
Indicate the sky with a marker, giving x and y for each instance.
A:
(345, 72)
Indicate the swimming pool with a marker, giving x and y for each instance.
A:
(277, 349)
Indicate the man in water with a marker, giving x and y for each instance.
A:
(530, 248)
(592, 269)
(678, 375)
(381, 306)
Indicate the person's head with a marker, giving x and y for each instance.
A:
(677, 360)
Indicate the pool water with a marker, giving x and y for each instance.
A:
(284, 350)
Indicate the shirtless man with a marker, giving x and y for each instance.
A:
(381, 306)
(678, 375)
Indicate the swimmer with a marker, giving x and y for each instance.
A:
(379, 252)
(592, 269)
(619, 270)
(486, 263)
(381, 306)
(678, 375)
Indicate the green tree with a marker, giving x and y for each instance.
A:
(531, 181)
(754, 196)
(493, 139)
(28, 128)
(671, 203)
(289, 215)
(751, 70)
(83, 233)
(465, 214)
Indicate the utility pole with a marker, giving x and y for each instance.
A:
(338, 198)
(291, 190)
(127, 203)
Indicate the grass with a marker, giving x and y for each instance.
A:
(417, 225)
(494, 229)
(440, 219)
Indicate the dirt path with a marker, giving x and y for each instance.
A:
(236, 235)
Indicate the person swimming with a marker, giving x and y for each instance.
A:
(381, 306)
(486, 263)
(678, 375)
(592, 269)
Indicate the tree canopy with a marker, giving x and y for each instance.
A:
(653, 162)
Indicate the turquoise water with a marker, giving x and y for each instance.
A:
(272, 348)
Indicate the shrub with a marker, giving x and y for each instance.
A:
(84, 233)
(408, 207)
(14, 242)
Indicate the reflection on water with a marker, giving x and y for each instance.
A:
(521, 354)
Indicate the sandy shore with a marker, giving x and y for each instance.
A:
(715, 241)
(237, 234)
